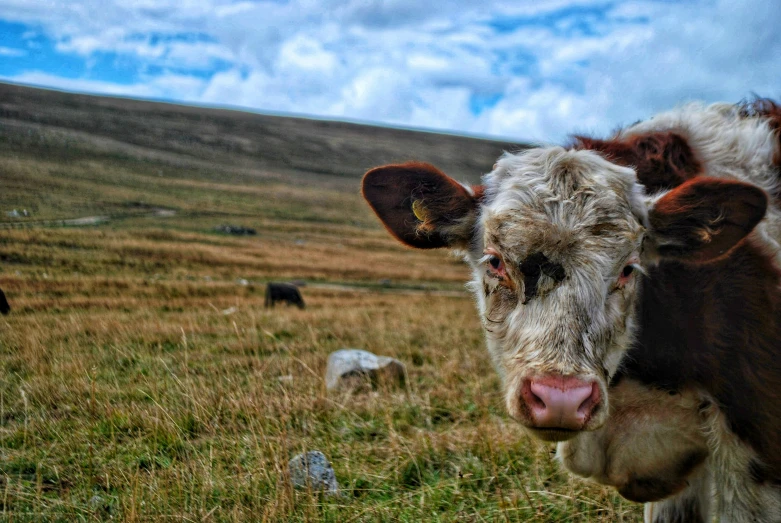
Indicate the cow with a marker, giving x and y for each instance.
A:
(283, 292)
(628, 289)
(4, 307)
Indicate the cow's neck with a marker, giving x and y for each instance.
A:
(717, 327)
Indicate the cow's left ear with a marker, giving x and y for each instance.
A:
(421, 206)
(704, 218)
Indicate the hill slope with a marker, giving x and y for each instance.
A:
(234, 138)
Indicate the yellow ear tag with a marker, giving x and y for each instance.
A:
(419, 211)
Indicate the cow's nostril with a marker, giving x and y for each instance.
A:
(590, 404)
(533, 400)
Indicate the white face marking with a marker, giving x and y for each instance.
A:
(566, 225)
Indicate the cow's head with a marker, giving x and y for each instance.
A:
(558, 241)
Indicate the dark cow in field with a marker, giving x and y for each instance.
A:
(4, 307)
(630, 293)
(283, 292)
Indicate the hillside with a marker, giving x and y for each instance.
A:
(236, 139)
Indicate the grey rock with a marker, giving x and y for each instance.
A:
(356, 367)
(313, 470)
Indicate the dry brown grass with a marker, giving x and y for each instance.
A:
(154, 406)
(130, 391)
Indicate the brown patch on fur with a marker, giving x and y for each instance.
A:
(605, 229)
(662, 160)
(664, 483)
(717, 326)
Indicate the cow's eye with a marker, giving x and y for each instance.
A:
(625, 276)
(496, 265)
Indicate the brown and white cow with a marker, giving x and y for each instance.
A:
(629, 292)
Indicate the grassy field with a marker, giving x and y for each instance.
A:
(142, 379)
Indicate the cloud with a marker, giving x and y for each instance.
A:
(306, 54)
(82, 85)
(526, 70)
(10, 51)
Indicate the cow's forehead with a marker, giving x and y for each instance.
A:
(563, 203)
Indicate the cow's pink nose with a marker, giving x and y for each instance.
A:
(560, 402)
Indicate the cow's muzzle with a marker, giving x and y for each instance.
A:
(557, 407)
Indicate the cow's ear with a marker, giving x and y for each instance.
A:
(422, 206)
(704, 218)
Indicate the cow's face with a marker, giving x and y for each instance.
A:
(555, 259)
(558, 241)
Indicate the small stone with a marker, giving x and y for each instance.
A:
(313, 470)
(242, 281)
(356, 367)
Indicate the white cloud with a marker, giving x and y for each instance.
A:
(167, 53)
(11, 51)
(44, 79)
(548, 68)
(228, 10)
(184, 87)
(307, 54)
(426, 62)
(378, 93)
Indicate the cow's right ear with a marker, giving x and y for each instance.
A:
(422, 206)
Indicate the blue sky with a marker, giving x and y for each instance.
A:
(536, 70)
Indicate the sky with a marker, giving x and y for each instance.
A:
(526, 70)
